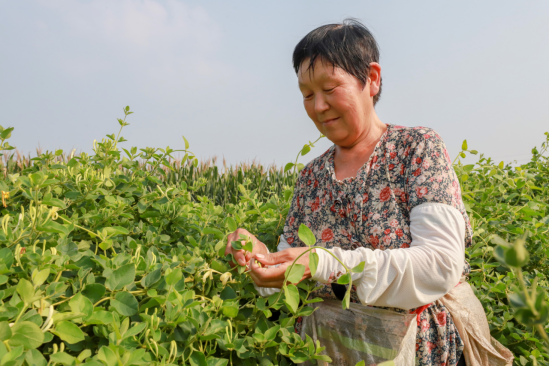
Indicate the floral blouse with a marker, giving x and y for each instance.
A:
(409, 167)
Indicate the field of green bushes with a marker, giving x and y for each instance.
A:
(116, 257)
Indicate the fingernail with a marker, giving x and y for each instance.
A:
(242, 263)
(259, 256)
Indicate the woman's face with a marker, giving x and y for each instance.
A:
(337, 102)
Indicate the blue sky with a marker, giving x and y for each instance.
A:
(220, 73)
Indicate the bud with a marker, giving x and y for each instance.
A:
(225, 277)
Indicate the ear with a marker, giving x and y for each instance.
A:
(375, 75)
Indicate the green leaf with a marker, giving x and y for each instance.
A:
(39, 277)
(94, 292)
(292, 297)
(9, 358)
(359, 268)
(25, 290)
(313, 262)
(236, 245)
(81, 304)
(121, 277)
(151, 278)
(35, 358)
(517, 256)
(54, 202)
(288, 167)
(134, 330)
(72, 163)
(344, 279)
(186, 142)
(27, 334)
(107, 356)
(305, 150)
(125, 303)
(5, 331)
(68, 332)
(248, 246)
(230, 309)
(100, 318)
(174, 277)
(465, 145)
(306, 235)
(62, 358)
(53, 227)
(231, 224)
(295, 273)
(197, 359)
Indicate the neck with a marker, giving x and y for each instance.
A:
(366, 141)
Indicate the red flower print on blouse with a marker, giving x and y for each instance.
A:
(391, 167)
(424, 325)
(393, 155)
(327, 235)
(442, 318)
(399, 232)
(315, 205)
(430, 346)
(418, 160)
(373, 240)
(417, 172)
(365, 197)
(421, 191)
(290, 240)
(387, 231)
(385, 193)
(291, 221)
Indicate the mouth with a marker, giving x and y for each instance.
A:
(330, 121)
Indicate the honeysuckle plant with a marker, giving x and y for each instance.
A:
(115, 258)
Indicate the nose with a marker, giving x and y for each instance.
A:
(321, 104)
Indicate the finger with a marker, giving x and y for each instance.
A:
(274, 258)
(239, 257)
(258, 276)
(265, 274)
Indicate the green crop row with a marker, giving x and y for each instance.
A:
(117, 258)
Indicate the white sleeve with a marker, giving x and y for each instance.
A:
(265, 292)
(410, 277)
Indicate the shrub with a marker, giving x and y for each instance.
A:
(117, 258)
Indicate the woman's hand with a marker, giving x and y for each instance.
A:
(239, 255)
(274, 277)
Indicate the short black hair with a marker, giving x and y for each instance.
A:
(349, 46)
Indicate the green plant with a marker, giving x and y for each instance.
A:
(103, 262)
(117, 258)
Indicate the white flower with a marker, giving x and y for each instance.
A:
(420, 179)
(376, 230)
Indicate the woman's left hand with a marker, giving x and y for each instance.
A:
(274, 277)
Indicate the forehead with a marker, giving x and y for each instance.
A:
(321, 71)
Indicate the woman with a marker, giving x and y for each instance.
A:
(383, 194)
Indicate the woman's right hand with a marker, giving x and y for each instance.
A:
(239, 255)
